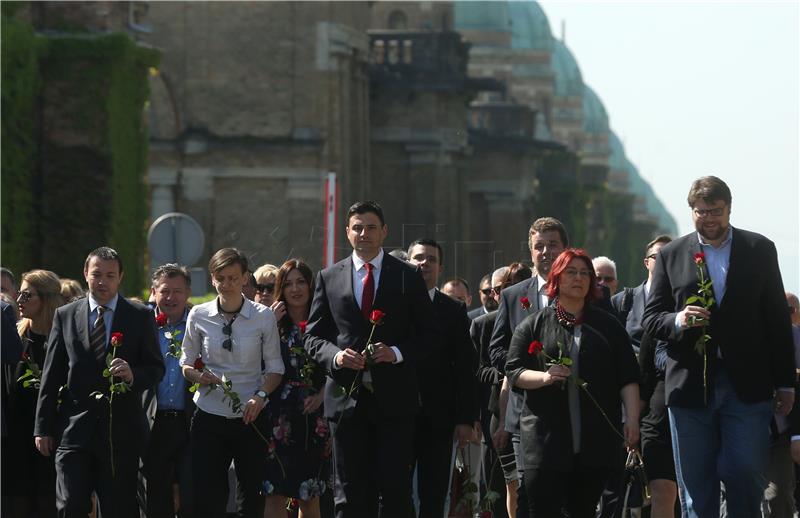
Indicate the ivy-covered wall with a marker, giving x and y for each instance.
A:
(83, 183)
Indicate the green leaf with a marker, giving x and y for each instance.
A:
(194, 388)
(566, 361)
(692, 299)
(338, 391)
(27, 384)
(106, 373)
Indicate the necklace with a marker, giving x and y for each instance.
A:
(219, 308)
(565, 318)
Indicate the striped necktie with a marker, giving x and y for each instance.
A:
(97, 338)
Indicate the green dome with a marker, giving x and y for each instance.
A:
(481, 16)
(567, 74)
(595, 117)
(639, 186)
(526, 22)
(530, 29)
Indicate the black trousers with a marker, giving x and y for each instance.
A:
(577, 491)
(81, 471)
(433, 450)
(215, 441)
(167, 460)
(372, 462)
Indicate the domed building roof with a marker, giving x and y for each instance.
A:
(618, 161)
(525, 20)
(567, 74)
(595, 117)
(530, 29)
(652, 203)
(481, 16)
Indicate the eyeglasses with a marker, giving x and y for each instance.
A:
(571, 272)
(702, 213)
(651, 256)
(265, 288)
(487, 291)
(497, 289)
(25, 296)
(227, 329)
(606, 278)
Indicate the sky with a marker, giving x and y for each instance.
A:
(699, 88)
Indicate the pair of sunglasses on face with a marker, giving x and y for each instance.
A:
(265, 288)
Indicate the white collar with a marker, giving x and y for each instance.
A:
(376, 261)
(247, 306)
(432, 293)
(542, 282)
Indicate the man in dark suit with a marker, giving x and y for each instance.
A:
(720, 397)
(547, 238)
(629, 303)
(488, 303)
(447, 389)
(11, 348)
(72, 422)
(372, 425)
(170, 406)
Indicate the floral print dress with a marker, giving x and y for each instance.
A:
(296, 452)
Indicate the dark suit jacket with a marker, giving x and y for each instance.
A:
(336, 323)
(11, 352)
(607, 364)
(489, 378)
(751, 327)
(71, 361)
(475, 313)
(633, 322)
(446, 379)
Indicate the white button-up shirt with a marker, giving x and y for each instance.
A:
(254, 336)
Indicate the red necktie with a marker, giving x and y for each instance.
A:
(369, 292)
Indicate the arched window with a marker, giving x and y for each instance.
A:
(398, 21)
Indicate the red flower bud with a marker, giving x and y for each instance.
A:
(535, 347)
(302, 325)
(699, 258)
(199, 365)
(161, 320)
(376, 316)
(526, 303)
(116, 339)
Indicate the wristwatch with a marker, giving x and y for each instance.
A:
(263, 395)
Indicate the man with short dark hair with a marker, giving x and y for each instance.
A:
(488, 303)
(721, 390)
(7, 283)
(78, 352)
(371, 407)
(167, 457)
(447, 389)
(458, 289)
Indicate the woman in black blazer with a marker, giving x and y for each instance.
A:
(569, 444)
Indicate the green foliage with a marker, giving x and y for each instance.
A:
(20, 85)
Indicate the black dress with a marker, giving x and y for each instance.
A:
(296, 453)
(655, 433)
(34, 474)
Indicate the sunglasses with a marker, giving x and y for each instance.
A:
(651, 256)
(227, 329)
(265, 288)
(25, 296)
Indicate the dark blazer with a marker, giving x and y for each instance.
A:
(447, 386)
(475, 313)
(633, 322)
(751, 327)
(11, 348)
(606, 363)
(489, 378)
(335, 323)
(70, 361)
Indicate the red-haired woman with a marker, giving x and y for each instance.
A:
(299, 431)
(568, 443)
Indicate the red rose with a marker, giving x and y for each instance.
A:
(199, 365)
(161, 320)
(526, 303)
(116, 339)
(699, 258)
(376, 316)
(536, 347)
(302, 325)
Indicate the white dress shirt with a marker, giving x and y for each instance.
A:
(543, 300)
(108, 316)
(254, 336)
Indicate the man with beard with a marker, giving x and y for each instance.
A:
(547, 238)
(720, 391)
